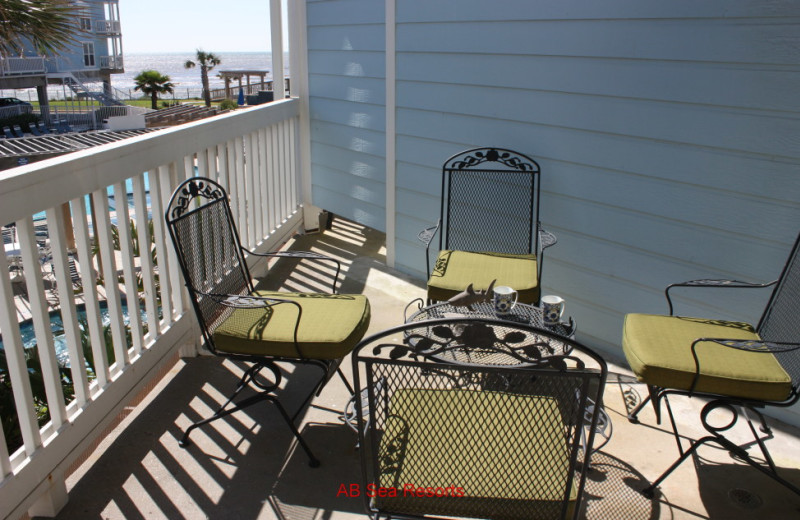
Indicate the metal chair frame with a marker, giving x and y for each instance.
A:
(487, 165)
(776, 339)
(418, 356)
(191, 199)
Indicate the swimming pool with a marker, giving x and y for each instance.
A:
(57, 326)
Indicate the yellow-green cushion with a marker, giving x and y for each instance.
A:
(506, 467)
(455, 270)
(330, 326)
(658, 349)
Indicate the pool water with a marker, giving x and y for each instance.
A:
(57, 326)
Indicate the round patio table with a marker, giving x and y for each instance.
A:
(521, 314)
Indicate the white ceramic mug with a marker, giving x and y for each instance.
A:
(504, 299)
(552, 309)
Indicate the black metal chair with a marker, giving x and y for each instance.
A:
(258, 327)
(737, 367)
(488, 226)
(475, 418)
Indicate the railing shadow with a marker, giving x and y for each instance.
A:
(229, 469)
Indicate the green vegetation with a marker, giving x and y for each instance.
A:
(49, 25)
(153, 83)
(228, 104)
(207, 61)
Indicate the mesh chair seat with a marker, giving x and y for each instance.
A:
(455, 270)
(330, 326)
(430, 442)
(657, 348)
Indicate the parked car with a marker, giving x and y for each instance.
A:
(11, 101)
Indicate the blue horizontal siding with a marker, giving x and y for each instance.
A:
(668, 134)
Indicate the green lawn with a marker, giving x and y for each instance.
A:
(133, 102)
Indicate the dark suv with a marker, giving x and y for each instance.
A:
(12, 101)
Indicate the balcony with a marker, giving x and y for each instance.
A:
(111, 62)
(22, 66)
(108, 27)
(245, 466)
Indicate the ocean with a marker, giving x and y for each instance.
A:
(185, 79)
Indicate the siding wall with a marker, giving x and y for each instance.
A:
(346, 41)
(668, 135)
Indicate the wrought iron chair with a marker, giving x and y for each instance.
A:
(258, 327)
(475, 418)
(488, 226)
(737, 367)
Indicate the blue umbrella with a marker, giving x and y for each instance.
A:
(241, 96)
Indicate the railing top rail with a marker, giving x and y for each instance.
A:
(21, 192)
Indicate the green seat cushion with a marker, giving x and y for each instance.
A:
(485, 454)
(330, 326)
(658, 348)
(455, 270)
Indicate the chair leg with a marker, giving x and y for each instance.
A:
(769, 469)
(265, 394)
(346, 382)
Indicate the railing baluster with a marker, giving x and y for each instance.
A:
(41, 322)
(168, 182)
(145, 253)
(128, 268)
(294, 181)
(241, 184)
(66, 298)
(17, 367)
(110, 284)
(249, 159)
(274, 173)
(89, 282)
(264, 167)
(157, 202)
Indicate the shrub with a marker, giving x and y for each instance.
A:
(228, 104)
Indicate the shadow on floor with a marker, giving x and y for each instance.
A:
(231, 467)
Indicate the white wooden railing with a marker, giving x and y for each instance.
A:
(13, 66)
(111, 62)
(253, 153)
(106, 27)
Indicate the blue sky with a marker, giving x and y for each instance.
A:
(150, 26)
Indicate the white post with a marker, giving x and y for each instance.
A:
(391, 144)
(298, 52)
(276, 30)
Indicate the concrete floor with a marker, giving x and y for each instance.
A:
(247, 465)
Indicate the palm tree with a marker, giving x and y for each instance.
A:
(153, 83)
(48, 24)
(207, 61)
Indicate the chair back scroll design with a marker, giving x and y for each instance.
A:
(496, 433)
(490, 202)
(209, 251)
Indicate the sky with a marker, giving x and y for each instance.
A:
(152, 26)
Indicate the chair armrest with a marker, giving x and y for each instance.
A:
(426, 236)
(244, 301)
(546, 239)
(750, 345)
(705, 282)
(303, 255)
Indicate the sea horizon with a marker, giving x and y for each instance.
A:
(172, 65)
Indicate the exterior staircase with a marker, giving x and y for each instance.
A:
(80, 88)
